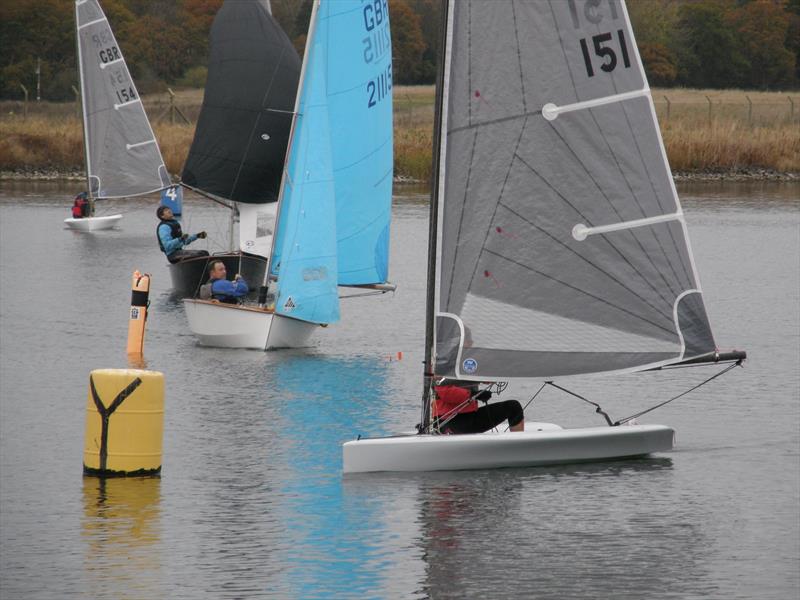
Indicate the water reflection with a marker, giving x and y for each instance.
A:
(330, 546)
(554, 532)
(122, 530)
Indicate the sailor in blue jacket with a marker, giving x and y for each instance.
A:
(171, 238)
(219, 288)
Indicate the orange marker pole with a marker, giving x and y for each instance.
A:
(140, 294)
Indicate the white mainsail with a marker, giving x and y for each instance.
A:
(563, 248)
(122, 154)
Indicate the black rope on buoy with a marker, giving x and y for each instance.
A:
(105, 414)
(738, 363)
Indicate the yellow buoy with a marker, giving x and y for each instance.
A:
(140, 293)
(124, 422)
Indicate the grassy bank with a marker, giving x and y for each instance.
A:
(703, 131)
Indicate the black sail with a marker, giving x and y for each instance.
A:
(240, 142)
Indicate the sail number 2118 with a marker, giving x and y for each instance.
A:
(380, 87)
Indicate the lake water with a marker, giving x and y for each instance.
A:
(252, 502)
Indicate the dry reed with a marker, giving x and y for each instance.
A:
(703, 130)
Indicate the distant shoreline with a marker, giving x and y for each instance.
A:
(704, 175)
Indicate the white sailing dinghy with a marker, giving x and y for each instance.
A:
(122, 157)
(239, 146)
(558, 246)
(334, 206)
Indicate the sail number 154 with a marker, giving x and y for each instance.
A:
(604, 52)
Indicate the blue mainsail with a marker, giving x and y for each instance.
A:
(304, 256)
(359, 53)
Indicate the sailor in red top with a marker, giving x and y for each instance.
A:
(455, 409)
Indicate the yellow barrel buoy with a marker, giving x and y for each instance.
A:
(140, 293)
(124, 422)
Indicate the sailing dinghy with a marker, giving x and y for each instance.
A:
(122, 157)
(239, 148)
(557, 246)
(334, 207)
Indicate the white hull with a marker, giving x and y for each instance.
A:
(233, 326)
(540, 444)
(92, 223)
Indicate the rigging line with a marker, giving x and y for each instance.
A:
(374, 293)
(738, 363)
(498, 202)
(469, 62)
(604, 238)
(257, 121)
(635, 198)
(572, 287)
(527, 404)
(601, 270)
(519, 57)
(598, 408)
(446, 300)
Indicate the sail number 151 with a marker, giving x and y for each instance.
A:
(604, 52)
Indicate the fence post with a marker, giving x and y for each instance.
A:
(749, 110)
(668, 106)
(791, 110)
(709, 110)
(24, 102)
(77, 101)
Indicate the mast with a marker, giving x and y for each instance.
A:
(86, 157)
(445, 41)
(312, 25)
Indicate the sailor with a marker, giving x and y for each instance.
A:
(81, 206)
(172, 240)
(455, 407)
(219, 288)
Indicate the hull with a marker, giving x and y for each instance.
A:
(92, 223)
(188, 275)
(540, 444)
(233, 326)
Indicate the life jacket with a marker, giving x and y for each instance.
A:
(221, 297)
(448, 397)
(175, 231)
(80, 208)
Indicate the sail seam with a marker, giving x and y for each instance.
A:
(93, 22)
(589, 262)
(655, 195)
(635, 198)
(619, 252)
(577, 289)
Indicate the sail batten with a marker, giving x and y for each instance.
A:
(112, 170)
(562, 247)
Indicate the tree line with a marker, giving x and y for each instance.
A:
(748, 44)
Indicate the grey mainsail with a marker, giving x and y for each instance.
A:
(122, 154)
(562, 245)
(240, 142)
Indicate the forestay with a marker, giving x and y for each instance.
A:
(122, 155)
(563, 248)
(359, 97)
(304, 254)
(240, 142)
